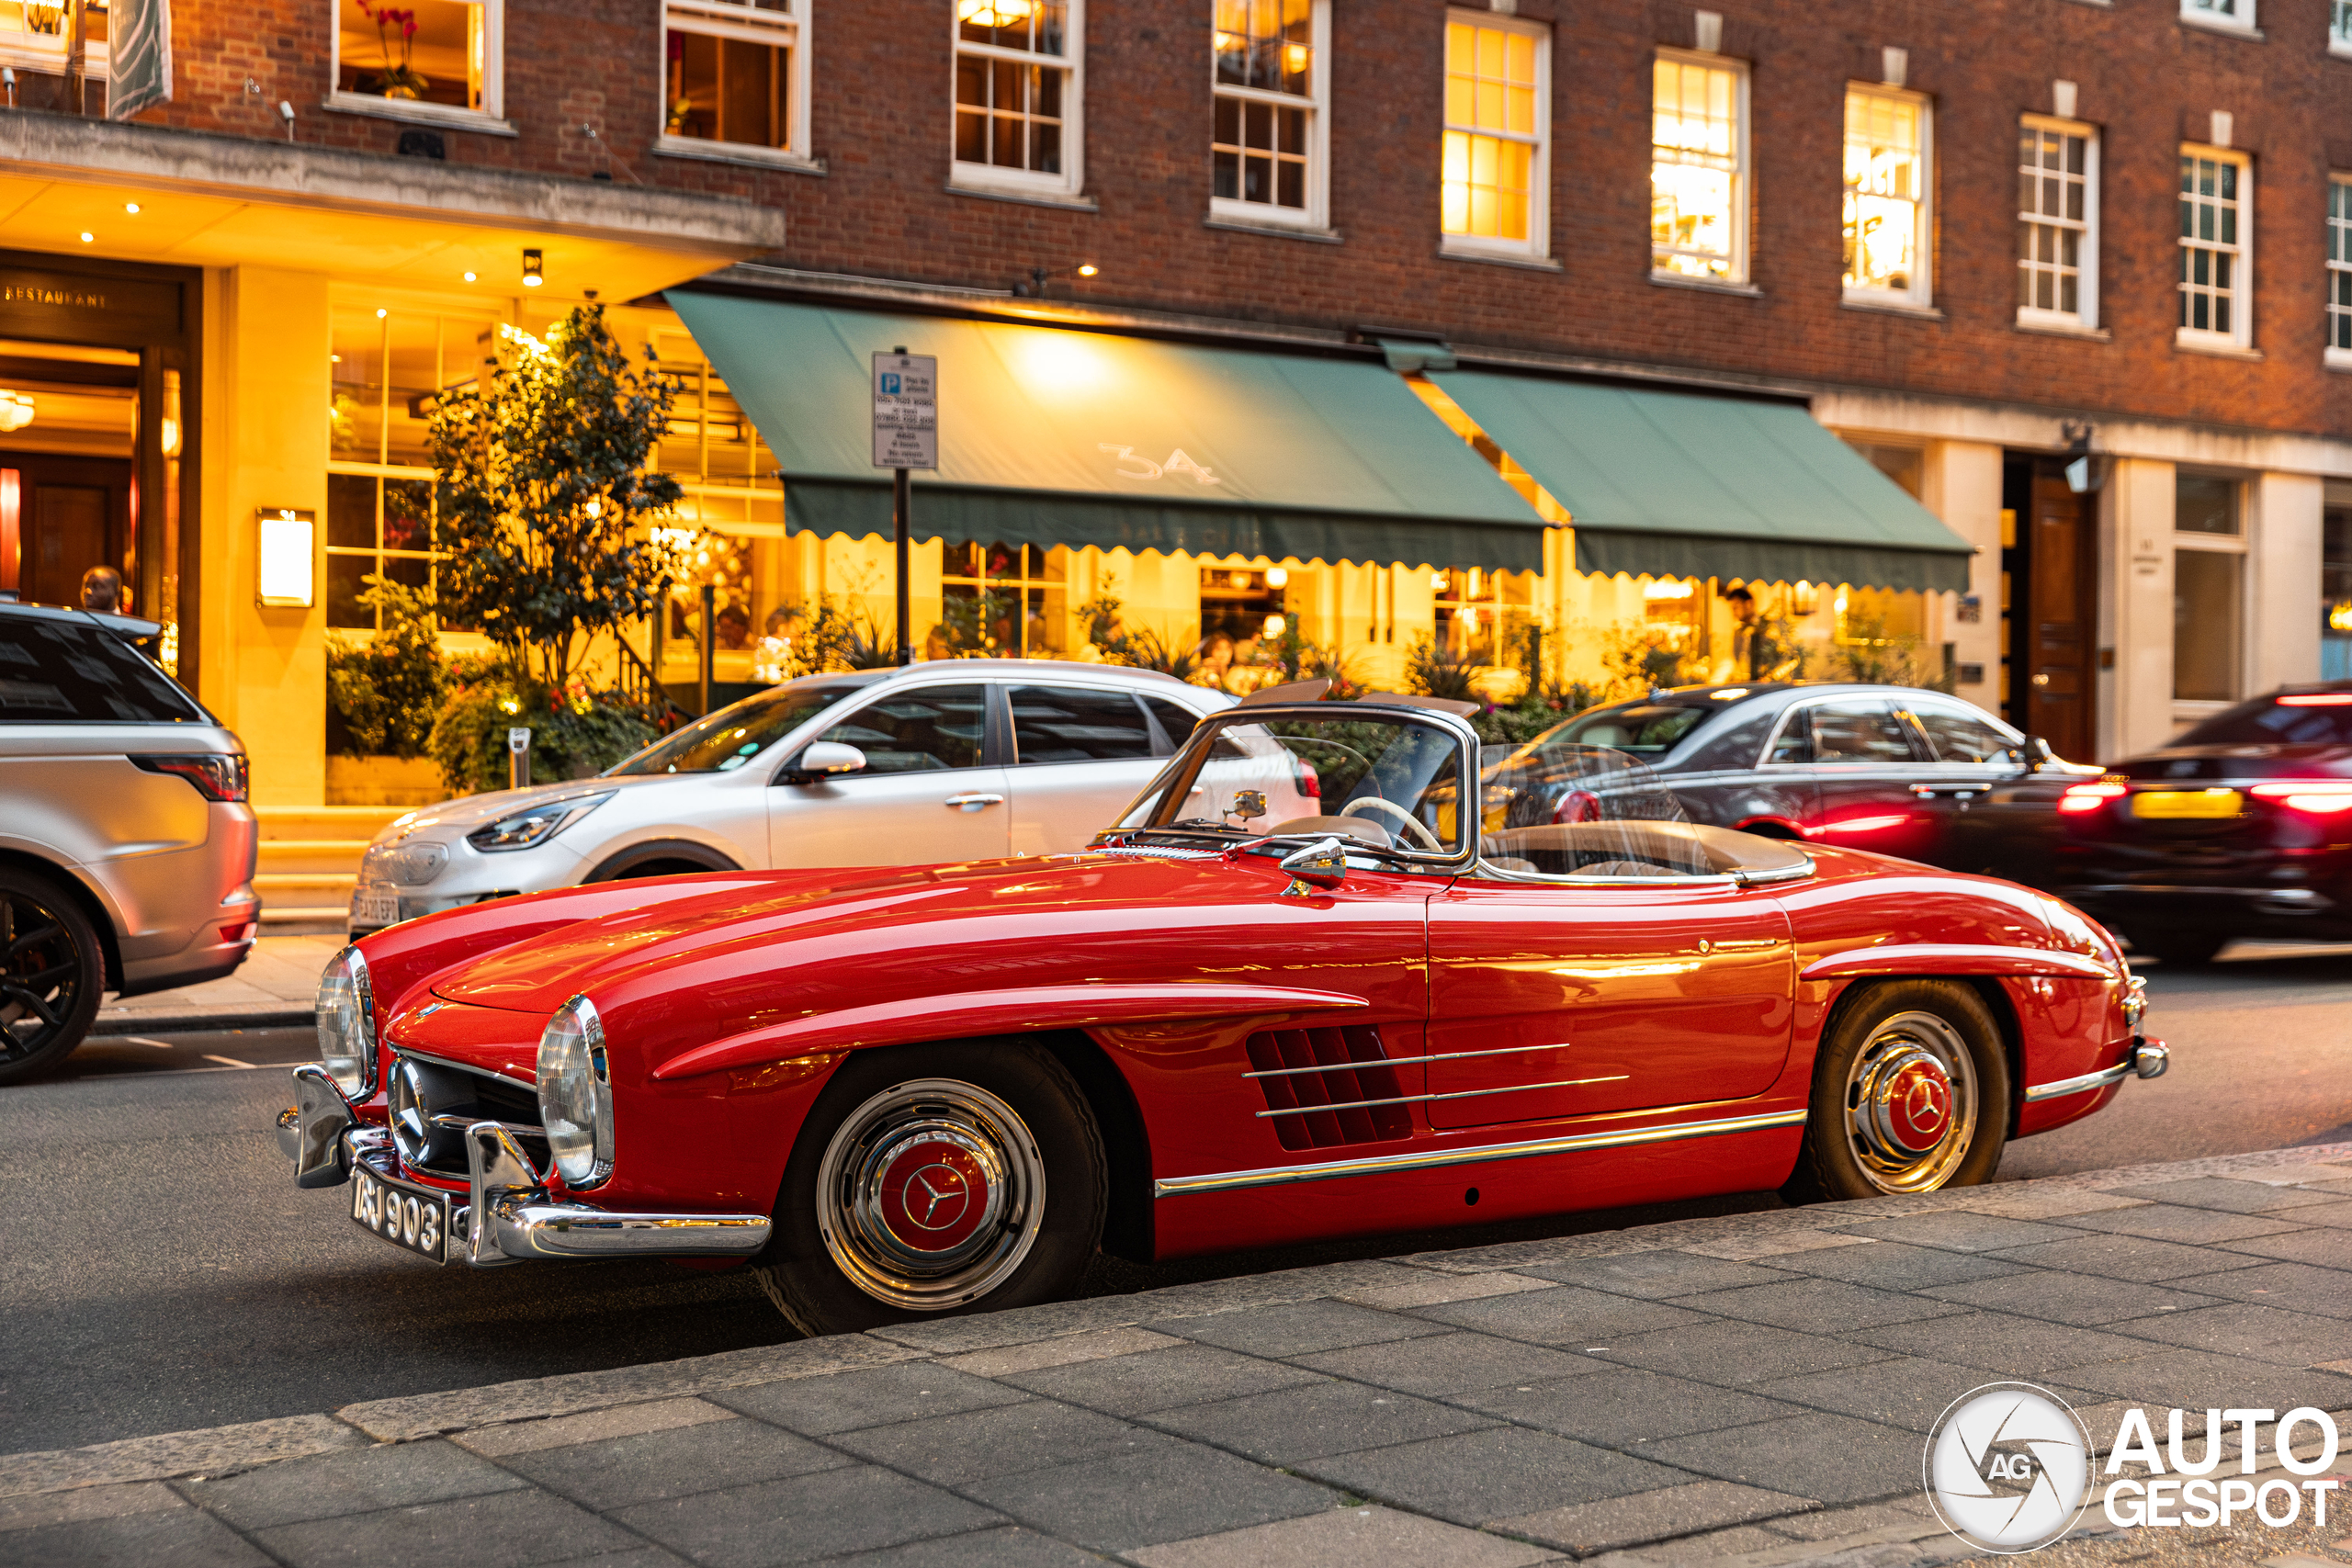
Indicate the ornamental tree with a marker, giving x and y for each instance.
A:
(546, 509)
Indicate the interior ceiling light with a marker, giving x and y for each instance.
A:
(16, 411)
(534, 269)
(131, 208)
(994, 12)
(469, 277)
(88, 238)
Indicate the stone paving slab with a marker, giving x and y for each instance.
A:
(1747, 1388)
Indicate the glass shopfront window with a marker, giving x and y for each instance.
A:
(1010, 601)
(1478, 612)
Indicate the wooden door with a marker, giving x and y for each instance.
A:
(2062, 616)
(75, 514)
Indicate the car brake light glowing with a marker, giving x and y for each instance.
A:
(1863, 824)
(2317, 700)
(2321, 797)
(1578, 805)
(1309, 783)
(2090, 796)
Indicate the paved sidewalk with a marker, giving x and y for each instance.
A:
(1748, 1390)
(275, 986)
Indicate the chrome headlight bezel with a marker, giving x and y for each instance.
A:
(533, 825)
(345, 1010)
(2135, 1002)
(576, 1095)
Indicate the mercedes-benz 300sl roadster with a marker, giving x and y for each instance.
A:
(1332, 974)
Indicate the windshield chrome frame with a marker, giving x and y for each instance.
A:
(1453, 862)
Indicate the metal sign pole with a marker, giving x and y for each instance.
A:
(905, 437)
(901, 496)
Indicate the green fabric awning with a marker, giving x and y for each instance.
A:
(1050, 436)
(1678, 485)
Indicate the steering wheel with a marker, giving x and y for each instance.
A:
(1412, 823)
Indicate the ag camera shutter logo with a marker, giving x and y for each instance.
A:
(2008, 1468)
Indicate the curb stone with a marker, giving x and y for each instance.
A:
(207, 1451)
(194, 1019)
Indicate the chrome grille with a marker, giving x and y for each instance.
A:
(429, 1103)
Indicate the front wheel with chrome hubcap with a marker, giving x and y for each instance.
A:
(932, 1179)
(1910, 1094)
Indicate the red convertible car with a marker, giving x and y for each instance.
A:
(1405, 997)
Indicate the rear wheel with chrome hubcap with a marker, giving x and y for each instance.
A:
(932, 1179)
(1910, 1094)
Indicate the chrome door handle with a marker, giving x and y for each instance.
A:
(968, 803)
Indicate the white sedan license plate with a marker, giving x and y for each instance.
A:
(413, 1218)
(374, 909)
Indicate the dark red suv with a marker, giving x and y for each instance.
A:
(2240, 828)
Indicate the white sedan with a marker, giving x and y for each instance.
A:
(950, 760)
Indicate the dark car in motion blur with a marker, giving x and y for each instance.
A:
(1894, 769)
(2242, 826)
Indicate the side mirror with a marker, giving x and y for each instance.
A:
(2034, 753)
(1323, 863)
(823, 759)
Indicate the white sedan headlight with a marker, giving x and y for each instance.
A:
(346, 1011)
(533, 825)
(576, 1093)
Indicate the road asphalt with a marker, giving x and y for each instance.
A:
(183, 1281)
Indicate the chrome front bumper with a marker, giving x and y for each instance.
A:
(509, 1216)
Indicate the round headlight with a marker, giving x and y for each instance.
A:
(576, 1093)
(346, 1013)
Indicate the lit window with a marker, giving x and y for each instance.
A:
(2339, 270)
(1887, 186)
(35, 33)
(1698, 169)
(1267, 144)
(2219, 12)
(436, 55)
(1498, 130)
(1017, 95)
(1000, 599)
(2057, 222)
(2208, 589)
(2339, 27)
(733, 75)
(2216, 190)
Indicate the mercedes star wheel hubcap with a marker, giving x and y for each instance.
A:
(1911, 1103)
(931, 1194)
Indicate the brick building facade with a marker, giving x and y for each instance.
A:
(1745, 238)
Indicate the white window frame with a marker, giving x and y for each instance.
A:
(2084, 316)
(28, 51)
(2339, 27)
(2209, 13)
(987, 178)
(1537, 246)
(2240, 337)
(787, 27)
(1739, 256)
(1316, 214)
(2339, 272)
(1921, 294)
(490, 116)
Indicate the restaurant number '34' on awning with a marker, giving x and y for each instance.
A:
(1050, 436)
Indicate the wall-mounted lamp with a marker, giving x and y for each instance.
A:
(16, 411)
(1039, 275)
(287, 542)
(1804, 599)
(534, 269)
(1278, 577)
(2086, 471)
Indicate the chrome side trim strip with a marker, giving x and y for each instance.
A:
(1457, 1094)
(1381, 1165)
(2099, 1079)
(1402, 1060)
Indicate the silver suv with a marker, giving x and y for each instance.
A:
(126, 845)
(954, 760)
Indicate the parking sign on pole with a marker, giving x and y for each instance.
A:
(905, 436)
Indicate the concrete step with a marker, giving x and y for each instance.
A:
(332, 822)
(310, 888)
(336, 856)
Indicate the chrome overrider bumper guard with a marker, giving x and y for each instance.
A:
(509, 1216)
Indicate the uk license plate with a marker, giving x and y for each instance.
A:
(415, 1219)
(373, 909)
(2176, 804)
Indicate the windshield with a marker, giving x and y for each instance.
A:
(1556, 808)
(1383, 780)
(1647, 729)
(2295, 719)
(730, 738)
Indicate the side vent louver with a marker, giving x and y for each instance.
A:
(1316, 1081)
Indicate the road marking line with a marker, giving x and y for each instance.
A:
(143, 1040)
(231, 1062)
